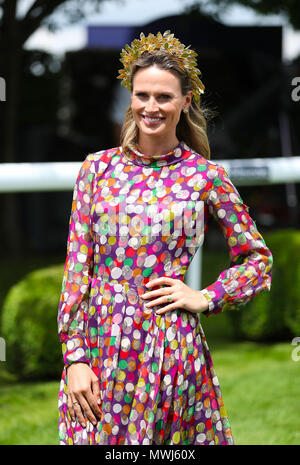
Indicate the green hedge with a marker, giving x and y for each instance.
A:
(275, 315)
(29, 325)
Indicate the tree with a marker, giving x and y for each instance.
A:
(289, 9)
(14, 32)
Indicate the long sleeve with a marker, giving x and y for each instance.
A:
(251, 260)
(78, 270)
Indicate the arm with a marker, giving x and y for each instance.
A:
(83, 385)
(251, 260)
(78, 270)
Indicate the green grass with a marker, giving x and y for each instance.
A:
(29, 414)
(259, 383)
(260, 387)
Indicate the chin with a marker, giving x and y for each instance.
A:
(152, 131)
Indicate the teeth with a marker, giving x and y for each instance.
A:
(151, 119)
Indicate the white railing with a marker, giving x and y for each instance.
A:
(37, 177)
(61, 176)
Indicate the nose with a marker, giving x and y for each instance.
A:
(151, 105)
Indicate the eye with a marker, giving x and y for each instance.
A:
(141, 95)
(164, 97)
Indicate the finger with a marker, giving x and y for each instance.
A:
(97, 394)
(78, 411)
(87, 409)
(93, 404)
(161, 300)
(167, 308)
(71, 409)
(158, 292)
(160, 281)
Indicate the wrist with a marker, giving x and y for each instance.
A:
(75, 363)
(204, 305)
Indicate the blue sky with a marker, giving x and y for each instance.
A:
(129, 12)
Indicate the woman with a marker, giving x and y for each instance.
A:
(137, 368)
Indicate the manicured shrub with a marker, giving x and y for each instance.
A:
(29, 325)
(275, 315)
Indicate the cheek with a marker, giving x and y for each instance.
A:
(175, 114)
(134, 103)
(136, 107)
(134, 110)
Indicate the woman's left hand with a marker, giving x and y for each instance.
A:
(182, 296)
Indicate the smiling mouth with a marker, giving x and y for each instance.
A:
(151, 119)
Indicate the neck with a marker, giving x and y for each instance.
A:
(156, 146)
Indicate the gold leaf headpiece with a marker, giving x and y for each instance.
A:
(169, 44)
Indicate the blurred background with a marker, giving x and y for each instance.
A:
(60, 100)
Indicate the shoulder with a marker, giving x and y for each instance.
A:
(96, 162)
(206, 167)
(103, 156)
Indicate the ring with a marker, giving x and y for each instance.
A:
(170, 298)
(74, 403)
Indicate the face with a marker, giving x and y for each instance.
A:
(157, 102)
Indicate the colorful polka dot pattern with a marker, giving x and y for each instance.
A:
(156, 374)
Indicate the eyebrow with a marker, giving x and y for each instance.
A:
(163, 92)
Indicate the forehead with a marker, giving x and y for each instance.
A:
(156, 79)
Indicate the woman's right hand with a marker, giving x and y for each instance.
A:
(83, 393)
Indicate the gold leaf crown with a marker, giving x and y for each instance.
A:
(167, 43)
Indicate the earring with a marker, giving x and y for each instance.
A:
(186, 109)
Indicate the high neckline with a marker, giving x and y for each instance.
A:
(175, 155)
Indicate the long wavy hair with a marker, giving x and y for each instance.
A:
(192, 126)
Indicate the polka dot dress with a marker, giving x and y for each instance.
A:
(135, 218)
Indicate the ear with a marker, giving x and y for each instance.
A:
(188, 99)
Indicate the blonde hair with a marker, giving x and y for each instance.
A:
(192, 126)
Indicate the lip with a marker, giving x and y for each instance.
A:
(152, 120)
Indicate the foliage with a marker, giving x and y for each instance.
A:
(43, 13)
(275, 315)
(289, 9)
(16, 27)
(29, 325)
